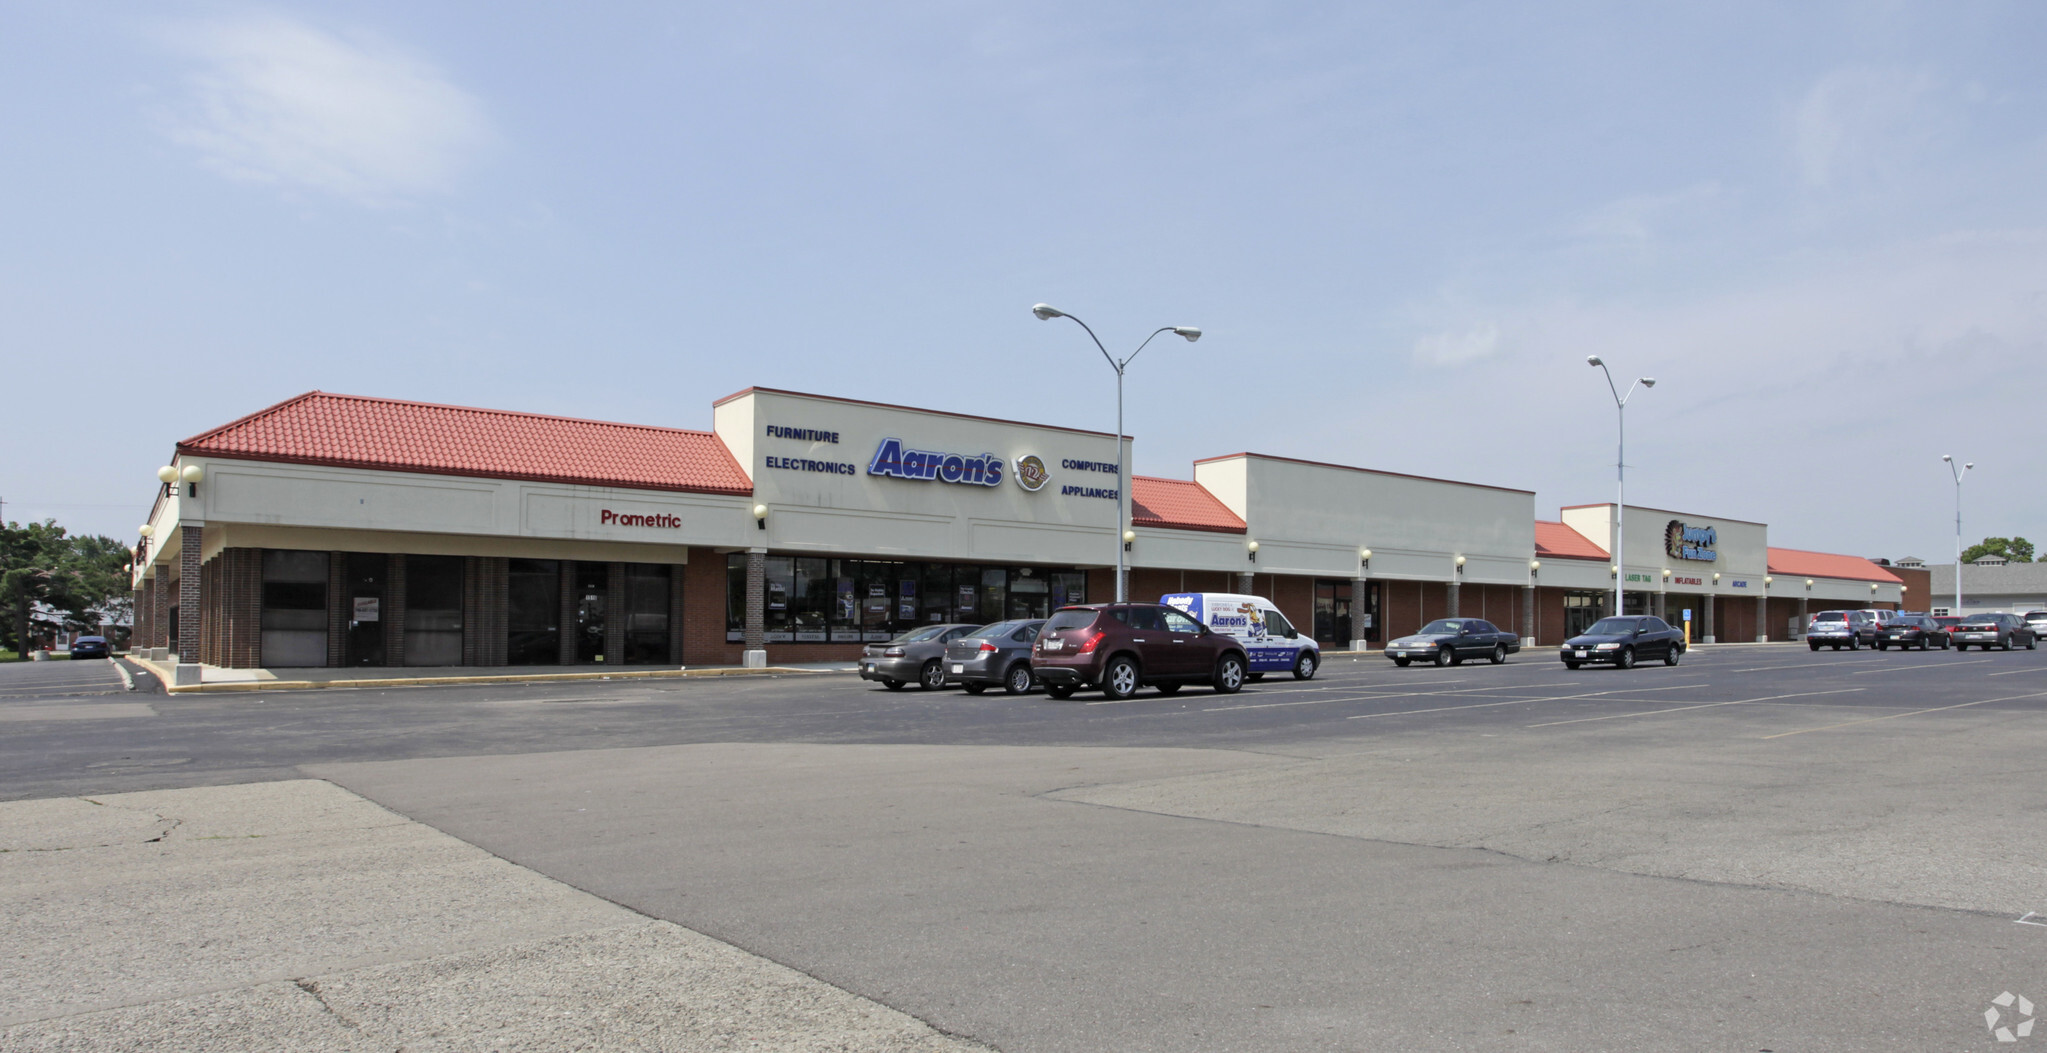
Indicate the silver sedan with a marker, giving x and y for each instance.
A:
(993, 654)
(917, 655)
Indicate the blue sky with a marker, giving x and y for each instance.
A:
(1819, 226)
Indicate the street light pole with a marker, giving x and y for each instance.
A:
(1046, 312)
(1620, 508)
(1958, 473)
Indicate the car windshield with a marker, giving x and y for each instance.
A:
(1439, 626)
(1611, 627)
(996, 630)
(1831, 616)
(1070, 618)
(929, 632)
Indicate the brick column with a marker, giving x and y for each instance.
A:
(1247, 582)
(1360, 588)
(393, 612)
(1804, 615)
(145, 605)
(614, 614)
(1528, 633)
(1456, 597)
(1711, 600)
(191, 537)
(160, 618)
(757, 607)
(339, 608)
(566, 653)
(1763, 618)
(676, 580)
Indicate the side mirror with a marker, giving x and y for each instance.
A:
(1292, 635)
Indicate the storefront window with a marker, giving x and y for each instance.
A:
(1581, 609)
(433, 610)
(646, 613)
(533, 612)
(1068, 586)
(1030, 594)
(294, 617)
(593, 595)
(1332, 612)
(811, 600)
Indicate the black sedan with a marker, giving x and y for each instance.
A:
(1448, 641)
(90, 647)
(1624, 642)
(1912, 630)
(2002, 631)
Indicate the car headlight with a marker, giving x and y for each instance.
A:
(1607, 647)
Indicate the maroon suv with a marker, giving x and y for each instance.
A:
(1120, 647)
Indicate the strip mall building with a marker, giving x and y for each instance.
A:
(334, 530)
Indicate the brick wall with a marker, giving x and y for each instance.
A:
(703, 610)
(485, 596)
(238, 641)
(677, 638)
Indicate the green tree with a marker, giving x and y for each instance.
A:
(57, 581)
(2015, 549)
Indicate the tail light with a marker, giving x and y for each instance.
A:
(893, 652)
(1087, 646)
(987, 647)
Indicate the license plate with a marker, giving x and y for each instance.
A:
(1584, 654)
(957, 668)
(1055, 645)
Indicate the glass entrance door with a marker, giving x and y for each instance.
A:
(1332, 612)
(363, 592)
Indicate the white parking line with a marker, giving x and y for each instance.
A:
(1910, 668)
(1703, 705)
(1914, 713)
(2015, 672)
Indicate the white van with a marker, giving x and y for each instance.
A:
(1271, 642)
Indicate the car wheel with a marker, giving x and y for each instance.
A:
(1170, 689)
(892, 685)
(1837, 647)
(1855, 643)
(1499, 653)
(2033, 644)
(1814, 644)
(1882, 646)
(1304, 666)
(1944, 644)
(1019, 679)
(1570, 665)
(1402, 662)
(975, 689)
(1961, 647)
(1058, 691)
(1120, 680)
(1672, 654)
(932, 677)
(1626, 659)
(1444, 657)
(1229, 674)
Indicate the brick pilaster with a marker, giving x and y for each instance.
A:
(1711, 602)
(566, 618)
(191, 538)
(240, 608)
(757, 600)
(1528, 624)
(1456, 597)
(677, 621)
(702, 610)
(614, 614)
(340, 607)
(393, 612)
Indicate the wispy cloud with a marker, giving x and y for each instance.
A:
(278, 101)
(1859, 123)
(1456, 346)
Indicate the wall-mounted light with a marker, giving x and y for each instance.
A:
(145, 530)
(1666, 574)
(167, 474)
(1364, 559)
(192, 475)
(760, 516)
(1903, 589)
(1872, 588)
(1534, 564)
(1767, 580)
(1460, 564)
(1808, 584)
(1615, 570)
(1129, 537)
(1252, 548)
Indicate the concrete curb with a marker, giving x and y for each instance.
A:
(427, 681)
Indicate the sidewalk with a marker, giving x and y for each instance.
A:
(216, 678)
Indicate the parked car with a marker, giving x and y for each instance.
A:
(90, 647)
(1448, 641)
(1882, 617)
(2002, 631)
(1270, 641)
(1948, 621)
(998, 654)
(917, 655)
(1838, 629)
(2036, 621)
(1119, 647)
(1909, 630)
(1624, 642)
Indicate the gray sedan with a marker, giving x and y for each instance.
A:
(993, 654)
(916, 655)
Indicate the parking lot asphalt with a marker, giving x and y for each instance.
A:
(1759, 848)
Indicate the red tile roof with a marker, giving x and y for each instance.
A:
(1180, 504)
(1801, 563)
(351, 431)
(1558, 541)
